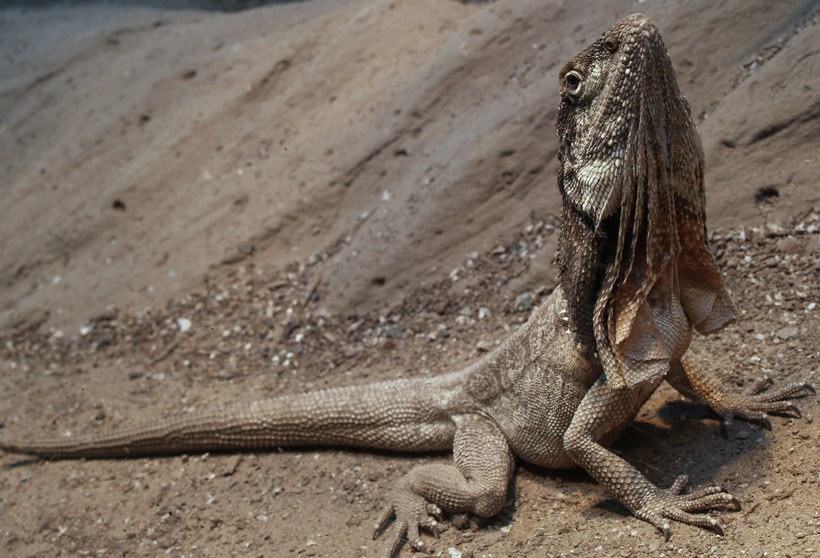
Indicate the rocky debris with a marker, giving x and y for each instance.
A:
(249, 321)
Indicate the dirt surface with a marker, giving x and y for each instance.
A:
(201, 207)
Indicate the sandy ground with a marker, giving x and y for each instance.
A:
(331, 192)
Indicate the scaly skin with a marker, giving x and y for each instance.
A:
(636, 278)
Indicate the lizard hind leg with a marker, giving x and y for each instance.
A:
(476, 483)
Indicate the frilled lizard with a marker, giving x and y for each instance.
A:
(636, 277)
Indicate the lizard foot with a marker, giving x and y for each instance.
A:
(411, 512)
(756, 406)
(672, 504)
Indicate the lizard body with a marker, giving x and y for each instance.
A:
(636, 278)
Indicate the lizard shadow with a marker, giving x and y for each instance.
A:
(686, 437)
(23, 462)
(682, 438)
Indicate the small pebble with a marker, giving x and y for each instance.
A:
(787, 333)
(524, 301)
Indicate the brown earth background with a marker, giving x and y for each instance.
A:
(200, 206)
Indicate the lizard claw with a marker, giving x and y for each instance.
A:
(757, 406)
(717, 527)
(667, 531)
(672, 504)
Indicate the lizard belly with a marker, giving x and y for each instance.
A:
(536, 413)
(536, 428)
(533, 383)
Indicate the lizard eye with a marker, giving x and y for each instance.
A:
(574, 83)
(610, 44)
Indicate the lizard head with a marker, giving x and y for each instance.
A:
(631, 174)
(617, 93)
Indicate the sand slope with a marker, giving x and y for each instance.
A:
(145, 148)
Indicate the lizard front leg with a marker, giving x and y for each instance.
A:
(604, 410)
(476, 483)
(687, 379)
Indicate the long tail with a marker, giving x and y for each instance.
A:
(399, 415)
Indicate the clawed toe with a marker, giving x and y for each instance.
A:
(761, 385)
(384, 518)
(719, 500)
(760, 391)
(704, 521)
(433, 526)
(679, 485)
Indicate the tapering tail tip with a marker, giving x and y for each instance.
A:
(13, 446)
(49, 449)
